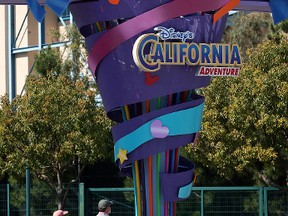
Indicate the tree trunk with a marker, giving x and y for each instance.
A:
(59, 189)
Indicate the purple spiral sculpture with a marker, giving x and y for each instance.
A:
(158, 112)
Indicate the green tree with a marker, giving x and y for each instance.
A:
(245, 126)
(248, 30)
(57, 127)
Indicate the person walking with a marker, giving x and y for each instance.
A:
(104, 207)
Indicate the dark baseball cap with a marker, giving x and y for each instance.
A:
(104, 203)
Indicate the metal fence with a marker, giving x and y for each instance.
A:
(203, 201)
(4, 199)
(42, 200)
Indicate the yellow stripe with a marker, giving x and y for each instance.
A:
(138, 188)
(98, 26)
(127, 112)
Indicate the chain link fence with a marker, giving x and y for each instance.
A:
(4, 193)
(203, 201)
(42, 200)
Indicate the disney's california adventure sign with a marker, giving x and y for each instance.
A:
(171, 47)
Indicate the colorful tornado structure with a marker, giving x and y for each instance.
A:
(157, 111)
(145, 56)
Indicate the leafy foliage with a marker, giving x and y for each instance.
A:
(248, 30)
(47, 60)
(245, 127)
(56, 127)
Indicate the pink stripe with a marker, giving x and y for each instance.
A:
(119, 34)
(167, 171)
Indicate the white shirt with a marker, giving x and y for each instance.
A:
(102, 214)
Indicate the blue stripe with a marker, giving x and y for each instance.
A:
(179, 123)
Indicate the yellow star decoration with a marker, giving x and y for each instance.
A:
(122, 155)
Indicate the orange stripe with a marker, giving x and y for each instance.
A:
(150, 184)
(225, 9)
(147, 106)
(114, 2)
(174, 208)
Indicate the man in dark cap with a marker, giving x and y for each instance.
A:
(104, 207)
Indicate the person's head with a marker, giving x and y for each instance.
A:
(104, 205)
(60, 213)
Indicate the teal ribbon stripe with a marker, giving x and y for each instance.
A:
(179, 123)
